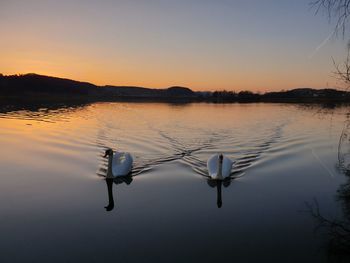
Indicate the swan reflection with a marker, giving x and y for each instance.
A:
(217, 184)
(109, 182)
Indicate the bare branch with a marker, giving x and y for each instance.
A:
(335, 9)
(342, 71)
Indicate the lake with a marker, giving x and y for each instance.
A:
(289, 160)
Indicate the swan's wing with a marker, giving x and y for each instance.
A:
(226, 167)
(128, 161)
(212, 165)
(122, 164)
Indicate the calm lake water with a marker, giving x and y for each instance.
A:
(53, 191)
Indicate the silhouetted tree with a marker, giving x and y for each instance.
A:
(340, 11)
(342, 70)
(335, 9)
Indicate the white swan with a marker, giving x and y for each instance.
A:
(219, 167)
(119, 163)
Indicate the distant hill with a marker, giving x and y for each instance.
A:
(304, 93)
(33, 83)
(39, 85)
(122, 91)
(34, 86)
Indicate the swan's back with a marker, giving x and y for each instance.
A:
(122, 163)
(226, 167)
(212, 166)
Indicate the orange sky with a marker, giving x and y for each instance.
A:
(204, 46)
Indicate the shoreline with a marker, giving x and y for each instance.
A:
(44, 98)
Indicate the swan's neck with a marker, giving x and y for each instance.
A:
(109, 171)
(219, 175)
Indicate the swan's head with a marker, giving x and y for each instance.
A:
(221, 158)
(108, 152)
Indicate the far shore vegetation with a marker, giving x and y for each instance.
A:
(38, 87)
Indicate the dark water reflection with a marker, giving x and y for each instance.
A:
(338, 228)
(110, 182)
(53, 189)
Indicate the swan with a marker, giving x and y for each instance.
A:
(119, 163)
(219, 167)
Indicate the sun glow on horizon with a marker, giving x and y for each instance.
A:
(203, 46)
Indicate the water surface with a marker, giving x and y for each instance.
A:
(53, 191)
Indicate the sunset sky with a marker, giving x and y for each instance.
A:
(202, 44)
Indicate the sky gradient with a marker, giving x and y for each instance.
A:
(205, 45)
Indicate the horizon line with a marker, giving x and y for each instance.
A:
(170, 86)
